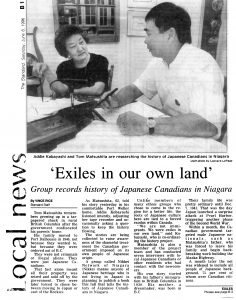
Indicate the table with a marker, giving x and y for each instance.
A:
(106, 137)
(98, 136)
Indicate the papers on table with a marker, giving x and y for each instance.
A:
(137, 107)
(38, 109)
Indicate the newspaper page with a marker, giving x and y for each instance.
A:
(93, 213)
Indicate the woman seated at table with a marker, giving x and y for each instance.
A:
(81, 65)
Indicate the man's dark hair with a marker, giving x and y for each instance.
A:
(168, 15)
(63, 34)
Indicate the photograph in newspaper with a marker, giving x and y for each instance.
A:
(118, 174)
(167, 61)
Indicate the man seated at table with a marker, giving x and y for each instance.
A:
(187, 80)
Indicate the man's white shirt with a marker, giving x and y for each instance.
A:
(192, 83)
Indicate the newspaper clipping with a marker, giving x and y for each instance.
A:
(118, 149)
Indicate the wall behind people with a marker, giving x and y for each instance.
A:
(222, 49)
(129, 55)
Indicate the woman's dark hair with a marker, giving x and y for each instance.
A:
(63, 34)
(168, 15)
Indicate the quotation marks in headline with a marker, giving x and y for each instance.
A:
(79, 173)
